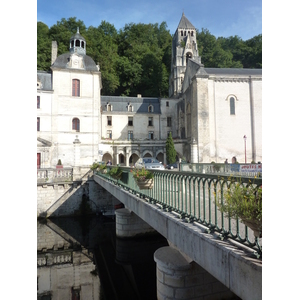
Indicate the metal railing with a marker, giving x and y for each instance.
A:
(193, 197)
(250, 170)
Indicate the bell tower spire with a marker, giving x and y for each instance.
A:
(184, 46)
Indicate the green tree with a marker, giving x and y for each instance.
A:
(43, 47)
(170, 150)
(103, 49)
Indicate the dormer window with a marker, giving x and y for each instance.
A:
(150, 109)
(130, 107)
(108, 107)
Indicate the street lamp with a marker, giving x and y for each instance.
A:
(245, 139)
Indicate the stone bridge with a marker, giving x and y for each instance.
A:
(197, 263)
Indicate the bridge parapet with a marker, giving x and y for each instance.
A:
(51, 175)
(229, 262)
(249, 170)
(193, 197)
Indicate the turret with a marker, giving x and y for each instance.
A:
(77, 43)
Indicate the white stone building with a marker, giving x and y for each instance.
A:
(69, 108)
(208, 112)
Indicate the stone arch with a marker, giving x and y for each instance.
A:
(133, 158)
(147, 153)
(188, 56)
(107, 156)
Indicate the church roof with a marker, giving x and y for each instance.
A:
(62, 61)
(140, 104)
(233, 71)
(45, 79)
(185, 23)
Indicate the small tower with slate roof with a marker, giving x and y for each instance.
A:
(184, 46)
(77, 43)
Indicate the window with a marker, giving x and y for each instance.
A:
(150, 121)
(169, 121)
(181, 33)
(109, 134)
(130, 135)
(150, 108)
(109, 107)
(232, 106)
(38, 101)
(150, 135)
(130, 108)
(109, 120)
(76, 124)
(167, 104)
(75, 87)
(130, 121)
(38, 123)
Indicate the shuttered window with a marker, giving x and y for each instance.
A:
(75, 87)
(76, 124)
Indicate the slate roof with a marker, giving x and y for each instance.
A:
(62, 60)
(233, 71)
(46, 80)
(140, 105)
(185, 23)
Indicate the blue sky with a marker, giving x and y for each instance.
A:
(221, 17)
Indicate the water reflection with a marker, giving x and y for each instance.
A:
(81, 258)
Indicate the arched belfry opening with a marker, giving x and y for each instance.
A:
(188, 55)
(77, 43)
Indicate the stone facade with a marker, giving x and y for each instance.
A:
(65, 199)
(209, 111)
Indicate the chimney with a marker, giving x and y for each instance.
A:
(139, 95)
(53, 52)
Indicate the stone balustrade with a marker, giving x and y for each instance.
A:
(51, 175)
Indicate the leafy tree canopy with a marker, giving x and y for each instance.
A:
(137, 58)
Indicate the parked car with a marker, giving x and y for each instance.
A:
(149, 163)
(172, 166)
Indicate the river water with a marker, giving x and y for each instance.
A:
(81, 259)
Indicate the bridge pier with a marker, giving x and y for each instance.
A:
(178, 279)
(129, 224)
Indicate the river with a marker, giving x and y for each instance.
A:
(81, 259)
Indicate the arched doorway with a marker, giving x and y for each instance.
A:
(106, 157)
(160, 157)
(133, 159)
(121, 159)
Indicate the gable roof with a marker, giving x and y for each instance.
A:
(185, 23)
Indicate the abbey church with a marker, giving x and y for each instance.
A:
(213, 114)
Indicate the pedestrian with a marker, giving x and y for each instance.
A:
(226, 161)
(109, 163)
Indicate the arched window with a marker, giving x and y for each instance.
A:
(108, 107)
(232, 106)
(76, 124)
(75, 87)
(77, 43)
(150, 108)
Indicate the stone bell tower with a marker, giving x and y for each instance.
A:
(184, 46)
